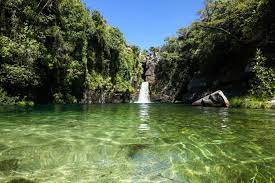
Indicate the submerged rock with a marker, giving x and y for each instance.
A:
(20, 180)
(133, 149)
(216, 99)
(9, 165)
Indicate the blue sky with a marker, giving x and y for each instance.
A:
(147, 23)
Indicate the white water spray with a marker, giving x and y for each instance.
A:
(144, 94)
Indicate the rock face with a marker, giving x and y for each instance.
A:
(197, 83)
(101, 97)
(150, 75)
(216, 99)
(162, 98)
(149, 65)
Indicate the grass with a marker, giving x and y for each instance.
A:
(250, 102)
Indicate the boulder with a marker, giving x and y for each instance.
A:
(272, 101)
(216, 99)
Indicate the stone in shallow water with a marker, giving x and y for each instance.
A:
(216, 99)
(9, 165)
(20, 180)
(133, 149)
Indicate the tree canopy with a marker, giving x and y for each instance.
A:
(58, 48)
(231, 46)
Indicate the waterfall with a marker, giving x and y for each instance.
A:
(144, 96)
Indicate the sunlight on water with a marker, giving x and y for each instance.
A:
(137, 143)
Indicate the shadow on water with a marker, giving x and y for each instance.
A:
(20, 180)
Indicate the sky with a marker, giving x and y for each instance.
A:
(147, 23)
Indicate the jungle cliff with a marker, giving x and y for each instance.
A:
(231, 48)
(58, 51)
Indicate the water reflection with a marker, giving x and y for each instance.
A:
(144, 127)
(223, 113)
(144, 112)
(144, 117)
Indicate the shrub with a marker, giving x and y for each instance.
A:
(249, 102)
(5, 99)
(262, 82)
(58, 98)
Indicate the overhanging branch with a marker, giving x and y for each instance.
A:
(221, 30)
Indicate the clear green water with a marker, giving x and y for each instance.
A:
(137, 143)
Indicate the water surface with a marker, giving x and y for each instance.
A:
(137, 143)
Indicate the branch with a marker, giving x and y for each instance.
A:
(46, 4)
(222, 30)
(39, 4)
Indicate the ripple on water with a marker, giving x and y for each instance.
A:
(132, 143)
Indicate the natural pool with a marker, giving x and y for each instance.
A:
(137, 143)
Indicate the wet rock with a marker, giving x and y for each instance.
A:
(216, 99)
(150, 72)
(272, 101)
(162, 98)
(9, 165)
(20, 180)
(149, 66)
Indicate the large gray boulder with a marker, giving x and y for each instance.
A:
(216, 99)
(272, 101)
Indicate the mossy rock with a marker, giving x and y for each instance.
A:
(20, 180)
(9, 165)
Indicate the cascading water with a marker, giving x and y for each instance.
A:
(144, 96)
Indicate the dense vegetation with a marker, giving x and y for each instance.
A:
(54, 50)
(231, 47)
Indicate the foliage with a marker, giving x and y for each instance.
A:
(52, 51)
(5, 99)
(263, 79)
(25, 103)
(249, 102)
(219, 47)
